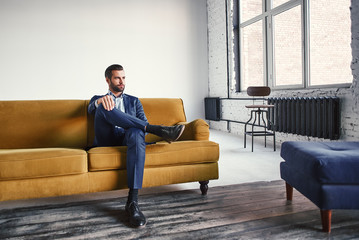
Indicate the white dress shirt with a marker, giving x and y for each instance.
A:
(118, 101)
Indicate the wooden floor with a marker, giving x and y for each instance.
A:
(244, 211)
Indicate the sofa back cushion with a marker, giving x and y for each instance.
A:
(65, 123)
(166, 111)
(43, 123)
(163, 111)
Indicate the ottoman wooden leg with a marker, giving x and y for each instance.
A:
(289, 191)
(326, 219)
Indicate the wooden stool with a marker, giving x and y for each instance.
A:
(258, 111)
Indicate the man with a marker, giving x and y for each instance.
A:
(120, 120)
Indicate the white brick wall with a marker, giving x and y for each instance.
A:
(235, 110)
(355, 51)
(217, 51)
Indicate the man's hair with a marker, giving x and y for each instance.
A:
(108, 72)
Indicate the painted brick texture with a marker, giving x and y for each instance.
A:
(217, 51)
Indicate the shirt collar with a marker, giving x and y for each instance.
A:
(111, 94)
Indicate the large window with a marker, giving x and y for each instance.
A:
(294, 43)
(330, 37)
(287, 47)
(252, 57)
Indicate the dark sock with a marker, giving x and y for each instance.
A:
(154, 129)
(132, 195)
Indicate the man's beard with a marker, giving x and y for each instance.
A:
(116, 88)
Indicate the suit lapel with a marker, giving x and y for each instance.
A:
(126, 103)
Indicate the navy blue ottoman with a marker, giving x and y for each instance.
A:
(327, 173)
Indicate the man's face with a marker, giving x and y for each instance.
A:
(117, 82)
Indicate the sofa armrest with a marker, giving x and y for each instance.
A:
(196, 130)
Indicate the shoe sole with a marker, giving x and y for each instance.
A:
(142, 226)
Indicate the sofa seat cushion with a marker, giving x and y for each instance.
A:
(41, 162)
(159, 154)
(328, 162)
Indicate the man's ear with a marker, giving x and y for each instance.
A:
(108, 80)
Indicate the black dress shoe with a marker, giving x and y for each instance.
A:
(137, 219)
(171, 134)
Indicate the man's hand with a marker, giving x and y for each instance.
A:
(107, 102)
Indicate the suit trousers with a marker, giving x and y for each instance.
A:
(131, 134)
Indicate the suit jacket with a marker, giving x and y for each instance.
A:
(132, 104)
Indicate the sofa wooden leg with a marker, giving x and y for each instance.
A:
(204, 187)
(326, 216)
(289, 191)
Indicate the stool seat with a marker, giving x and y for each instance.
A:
(259, 106)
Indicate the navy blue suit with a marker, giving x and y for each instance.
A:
(116, 128)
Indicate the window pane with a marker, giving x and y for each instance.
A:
(252, 55)
(288, 47)
(276, 3)
(330, 37)
(250, 9)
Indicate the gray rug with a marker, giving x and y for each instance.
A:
(244, 211)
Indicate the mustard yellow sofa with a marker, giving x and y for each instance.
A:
(45, 150)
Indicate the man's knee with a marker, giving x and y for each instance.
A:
(101, 109)
(100, 112)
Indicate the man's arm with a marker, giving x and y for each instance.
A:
(106, 101)
(92, 105)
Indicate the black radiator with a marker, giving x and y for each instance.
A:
(212, 108)
(316, 117)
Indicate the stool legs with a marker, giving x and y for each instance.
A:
(254, 122)
(245, 129)
(273, 131)
(264, 126)
(265, 133)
